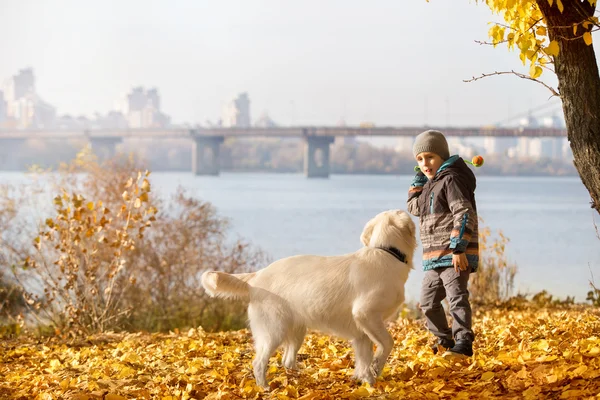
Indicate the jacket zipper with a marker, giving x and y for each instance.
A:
(431, 203)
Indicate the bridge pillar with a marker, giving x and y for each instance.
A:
(105, 148)
(316, 156)
(10, 154)
(205, 155)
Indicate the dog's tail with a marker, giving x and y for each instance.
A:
(232, 286)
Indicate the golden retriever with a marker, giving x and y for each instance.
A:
(350, 296)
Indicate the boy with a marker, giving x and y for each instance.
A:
(442, 196)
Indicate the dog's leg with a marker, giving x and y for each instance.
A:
(268, 331)
(372, 324)
(265, 347)
(292, 345)
(363, 353)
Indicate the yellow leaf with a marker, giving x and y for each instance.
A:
(487, 375)
(572, 394)
(574, 29)
(112, 396)
(559, 3)
(587, 38)
(361, 392)
(126, 196)
(129, 183)
(550, 2)
(126, 372)
(552, 49)
(532, 392)
(541, 31)
(90, 206)
(535, 71)
(138, 203)
(580, 370)
(146, 185)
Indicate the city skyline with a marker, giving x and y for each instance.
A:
(21, 106)
(305, 63)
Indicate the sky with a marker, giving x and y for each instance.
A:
(304, 62)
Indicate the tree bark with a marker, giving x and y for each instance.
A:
(579, 88)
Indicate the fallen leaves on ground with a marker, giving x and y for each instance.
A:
(518, 354)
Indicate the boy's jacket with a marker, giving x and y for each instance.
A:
(447, 212)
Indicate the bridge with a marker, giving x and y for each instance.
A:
(206, 141)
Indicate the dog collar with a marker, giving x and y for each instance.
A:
(395, 252)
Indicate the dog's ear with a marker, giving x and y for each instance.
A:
(401, 220)
(365, 237)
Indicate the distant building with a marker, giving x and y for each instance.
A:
(540, 147)
(23, 106)
(498, 145)
(141, 109)
(236, 113)
(69, 122)
(554, 121)
(264, 121)
(458, 145)
(17, 87)
(112, 120)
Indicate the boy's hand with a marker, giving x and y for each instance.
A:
(419, 180)
(459, 261)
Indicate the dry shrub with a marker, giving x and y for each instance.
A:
(12, 250)
(494, 280)
(114, 256)
(81, 257)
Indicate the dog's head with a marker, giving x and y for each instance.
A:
(393, 228)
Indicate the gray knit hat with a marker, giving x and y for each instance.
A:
(431, 141)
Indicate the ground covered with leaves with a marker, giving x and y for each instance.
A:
(548, 353)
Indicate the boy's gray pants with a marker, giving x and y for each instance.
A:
(438, 284)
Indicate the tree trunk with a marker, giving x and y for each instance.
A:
(579, 88)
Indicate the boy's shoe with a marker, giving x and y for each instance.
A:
(461, 348)
(445, 343)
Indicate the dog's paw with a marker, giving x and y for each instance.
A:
(376, 368)
(364, 378)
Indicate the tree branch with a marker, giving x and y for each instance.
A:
(520, 75)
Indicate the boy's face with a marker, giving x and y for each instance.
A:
(429, 163)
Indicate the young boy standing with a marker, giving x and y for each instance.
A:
(442, 196)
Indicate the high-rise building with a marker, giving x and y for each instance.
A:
(17, 87)
(236, 113)
(23, 106)
(142, 109)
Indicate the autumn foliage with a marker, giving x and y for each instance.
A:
(105, 258)
(529, 353)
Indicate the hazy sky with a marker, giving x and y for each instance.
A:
(393, 62)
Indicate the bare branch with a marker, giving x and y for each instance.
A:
(520, 75)
(490, 44)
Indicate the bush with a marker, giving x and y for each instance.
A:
(108, 259)
(494, 280)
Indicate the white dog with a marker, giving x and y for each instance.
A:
(350, 296)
